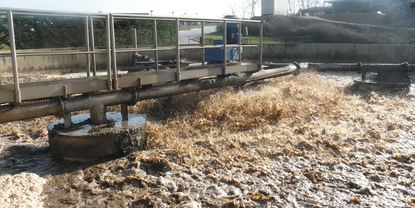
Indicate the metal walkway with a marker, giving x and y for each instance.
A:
(18, 92)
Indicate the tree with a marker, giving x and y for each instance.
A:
(32, 32)
(4, 40)
(291, 6)
(306, 4)
(252, 4)
(246, 8)
(233, 8)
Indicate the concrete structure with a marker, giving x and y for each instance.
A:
(311, 52)
(360, 6)
(314, 52)
(274, 7)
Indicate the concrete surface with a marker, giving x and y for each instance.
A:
(310, 52)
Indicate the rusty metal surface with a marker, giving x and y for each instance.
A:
(129, 96)
(84, 102)
(31, 110)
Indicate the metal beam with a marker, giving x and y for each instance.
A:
(109, 58)
(96, 102)
(178, 78)
(17, 95)
(88, 47)
(224, 52)
(155, 42)
(93, 57)
(113, 53)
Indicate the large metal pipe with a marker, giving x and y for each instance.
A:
(385, 74)
(58, 107)
(190, 86)
(85, 102)
(280, 71)
(31, 110)
(368, 67)
(186, 87)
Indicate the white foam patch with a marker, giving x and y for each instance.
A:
(21, 190)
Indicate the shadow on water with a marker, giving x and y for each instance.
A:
(37, 159)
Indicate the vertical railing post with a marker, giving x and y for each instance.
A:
(17, 94)
(133, 41)
(93, 58)
(108, 33)
(240, 42)
(88, 47)
(133, 37)
(114, 53)
(225, 31)
(202, 42)
(155, 41)
(177, 51)
(261, 43)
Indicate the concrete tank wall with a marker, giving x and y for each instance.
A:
(304, 52)
(313, 52)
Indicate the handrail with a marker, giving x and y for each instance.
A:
(111, 50)
(17, 95)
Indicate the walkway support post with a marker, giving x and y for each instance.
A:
(17, 95)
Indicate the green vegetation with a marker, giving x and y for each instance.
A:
(209, 38)
(190, 26)
(35, 32)
(325, 31)
(4, 47)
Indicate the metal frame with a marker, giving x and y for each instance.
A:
(17, 95)
(19, 92)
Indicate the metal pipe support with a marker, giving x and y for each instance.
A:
(96, 103)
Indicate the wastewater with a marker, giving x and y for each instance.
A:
(310, 140)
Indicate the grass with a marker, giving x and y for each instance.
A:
(4, 47)
(246, 39)
(189, 27)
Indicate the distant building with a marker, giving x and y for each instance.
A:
(274, 7)
(360, 6)
(140, 13)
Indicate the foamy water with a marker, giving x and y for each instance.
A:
(306, 140)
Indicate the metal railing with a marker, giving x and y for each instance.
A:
(111, 81)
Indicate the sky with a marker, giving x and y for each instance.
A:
(189, 8)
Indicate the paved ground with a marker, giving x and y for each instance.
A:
(187, 36)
